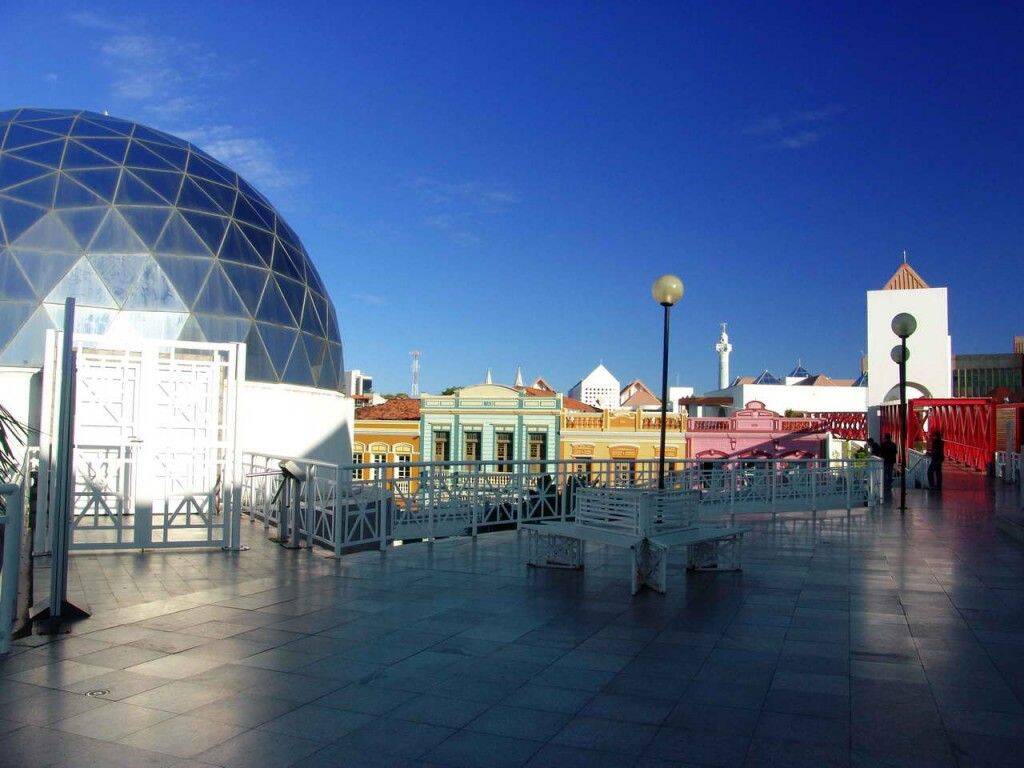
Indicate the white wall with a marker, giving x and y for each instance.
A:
(674, 393)
(781, 398)
(19, 394)
(930, 366)
(287, 420)
(599, 388)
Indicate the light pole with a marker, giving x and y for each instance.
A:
(903, 325)
(667, 290)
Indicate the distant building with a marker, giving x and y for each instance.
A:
(798, 392)
(359, 386)
(755, 432)
(490, 422)
(978, 375)
(637, 396)
(627, 437)
(388, 433)
(724, 349)
(598, 388)
(675, 394)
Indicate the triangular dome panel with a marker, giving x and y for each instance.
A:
(273, 307)
(82, 284)
(147, 223)
(278, 342)
(14, 171)
(12, 315)
(293, 294)
(224, 329)
(140, 156)
(187, 275)
(154, 291)
(248, 281)
(119, 271)
(209, 228)
(132, 191)
(165, 183)
(236, 247)
(71, 194)
(82, 223)
(102, 181)
(21, 135)
(299, 370)
(191, 331)
(115, 236)
(36, 192)
(257, 364)
(26, 348)
(112, 149)
(47, 153)
(174, 155)
(76, 156)
(218, 297)
(180, 239)
(47, 234)
(13, 283)
(44, 269)
(84, 127)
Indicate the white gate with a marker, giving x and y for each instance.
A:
(154, 461)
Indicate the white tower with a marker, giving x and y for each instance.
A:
(519, 376)
(723, 348)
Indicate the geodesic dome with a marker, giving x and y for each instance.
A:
(154, 238)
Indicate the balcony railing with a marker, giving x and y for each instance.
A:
(371, 505)
(622, 421)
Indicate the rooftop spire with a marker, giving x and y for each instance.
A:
(487, 379)
(519, 376)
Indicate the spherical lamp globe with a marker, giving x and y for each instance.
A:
(667, 290)
(904, 325)
(899, 355)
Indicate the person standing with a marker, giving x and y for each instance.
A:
(887, 452)
(936, 456)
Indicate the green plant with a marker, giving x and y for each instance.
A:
(12, 438)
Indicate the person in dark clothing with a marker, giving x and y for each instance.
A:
(937, 455)
(887, 452)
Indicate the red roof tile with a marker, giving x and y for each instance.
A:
(395, 409)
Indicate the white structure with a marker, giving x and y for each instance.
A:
(674, 395)
(358, 383)
(930, 367)
(724, 349)
(813, 394)
(598, 388)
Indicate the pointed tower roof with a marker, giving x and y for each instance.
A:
(487, 379)
(519, 376)
(905, 278)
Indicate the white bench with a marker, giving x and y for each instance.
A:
(648, 523)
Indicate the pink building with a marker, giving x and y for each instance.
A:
(756, 433)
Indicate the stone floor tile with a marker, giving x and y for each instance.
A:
(470, 749)
(259, 749)
(112, 721)
(605, 735)
(181, 736)
(315, 723)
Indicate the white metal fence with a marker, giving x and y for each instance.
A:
(370, 505)
(1009, 466)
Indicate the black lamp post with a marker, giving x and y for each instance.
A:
(667, 290)
(903, 325)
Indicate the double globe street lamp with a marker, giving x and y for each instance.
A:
(667, 291)
(903, 325)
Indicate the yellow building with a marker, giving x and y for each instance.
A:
(631, 438)
(388, 433)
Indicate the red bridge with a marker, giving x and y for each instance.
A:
(968, 427)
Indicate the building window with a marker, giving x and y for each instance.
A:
(503, 451)
(538, 449)
(625, 473)
(472, 446)
(357, 458)
(442, 450)
(403, 471)
(376, 471)
(582, 468)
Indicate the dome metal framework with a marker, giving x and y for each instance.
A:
(154, 238)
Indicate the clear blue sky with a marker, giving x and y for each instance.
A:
(499, 183)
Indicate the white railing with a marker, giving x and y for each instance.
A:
(1009, 466)
(12, 522)
(357, 506)
(917, 469)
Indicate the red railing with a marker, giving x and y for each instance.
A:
(846, 425)
(967, 424)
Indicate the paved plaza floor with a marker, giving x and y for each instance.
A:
(878, 642)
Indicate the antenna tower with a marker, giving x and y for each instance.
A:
(415, 355)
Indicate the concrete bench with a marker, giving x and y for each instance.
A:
(563, 545)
